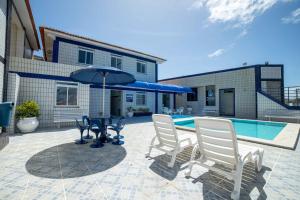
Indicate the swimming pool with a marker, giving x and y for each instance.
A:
(250, 128)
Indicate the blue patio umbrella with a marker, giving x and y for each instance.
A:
(102, 75)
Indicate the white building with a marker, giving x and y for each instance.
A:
(48, 82)
(66, 48)
(244, 92)
(18, 38)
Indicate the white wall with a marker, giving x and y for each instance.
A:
(3, 5)
(271, 72)
(43, 91)
(96, 99)
(242, 80)
(68, 54)
(12, 96)
(17, 36)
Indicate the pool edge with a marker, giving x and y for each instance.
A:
(287, 137)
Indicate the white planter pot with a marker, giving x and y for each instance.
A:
(27, 125)
(130, 114)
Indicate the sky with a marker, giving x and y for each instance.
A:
(194, 36)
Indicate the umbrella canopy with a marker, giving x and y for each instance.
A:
(102, 75)
(94, 75)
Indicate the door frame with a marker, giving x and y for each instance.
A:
(121, 100)
(233, 101)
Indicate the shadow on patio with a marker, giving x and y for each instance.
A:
(217, 186)
(70, 160)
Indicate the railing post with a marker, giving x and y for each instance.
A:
(297, 97)
(288, 102)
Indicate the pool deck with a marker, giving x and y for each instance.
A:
(287, 138)
(48, 165)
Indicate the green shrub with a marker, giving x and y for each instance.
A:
(27, 109)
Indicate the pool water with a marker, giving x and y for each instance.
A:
(249, 128)
(180, 116)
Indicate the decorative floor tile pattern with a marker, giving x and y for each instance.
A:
(48, 165)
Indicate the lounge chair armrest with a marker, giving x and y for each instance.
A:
(186, 139)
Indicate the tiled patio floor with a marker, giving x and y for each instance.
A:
(48, 165)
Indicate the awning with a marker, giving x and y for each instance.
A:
(149, 87)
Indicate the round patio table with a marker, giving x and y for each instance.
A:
(104, 138)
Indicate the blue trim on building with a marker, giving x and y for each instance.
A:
(279, 102)
(174, 100)
(257, 87)
(60, 39)
(55, 51)
(220, 71)
(207, 73)
(128, 89)
(64, 78)
(156, 94)
(282, 83)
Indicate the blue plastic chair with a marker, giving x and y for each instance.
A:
(87, 123)
(118, 127)
(81, 129)
(96, 127)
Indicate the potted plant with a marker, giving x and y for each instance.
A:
(130, 111)
(143, 111)
(27, 114)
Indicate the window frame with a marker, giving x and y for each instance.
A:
(142, 63)
(85, 57)
(136, 97)
(195, 96)
(66, 85)
(206, 95)
(116, 57)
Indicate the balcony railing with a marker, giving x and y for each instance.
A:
(287, 95)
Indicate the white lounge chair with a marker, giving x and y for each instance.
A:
(217, 144)
(180, 110)
(166, 111)
(169, 141)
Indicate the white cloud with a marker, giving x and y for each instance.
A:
(216, 53)
(293, 18)
(240, 12)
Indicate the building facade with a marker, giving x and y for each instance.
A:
(65, 48)
(18, 38)
(231, 92)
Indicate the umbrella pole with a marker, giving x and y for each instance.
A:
(103, 96)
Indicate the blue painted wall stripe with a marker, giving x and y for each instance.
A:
(156, 94)
(220, 71)
(64, 78)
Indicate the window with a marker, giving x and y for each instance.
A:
(140, 98)
(85, 57)
(141, 67)
(193, 96)
(66, 94)
(210, 92)
(116, 62)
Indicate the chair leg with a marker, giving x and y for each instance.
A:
(173, 158)
(150, 147)
(191, 163)
(237, 182)
(258, 161)
(118, 141)
(81, 141)
(88, 136)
